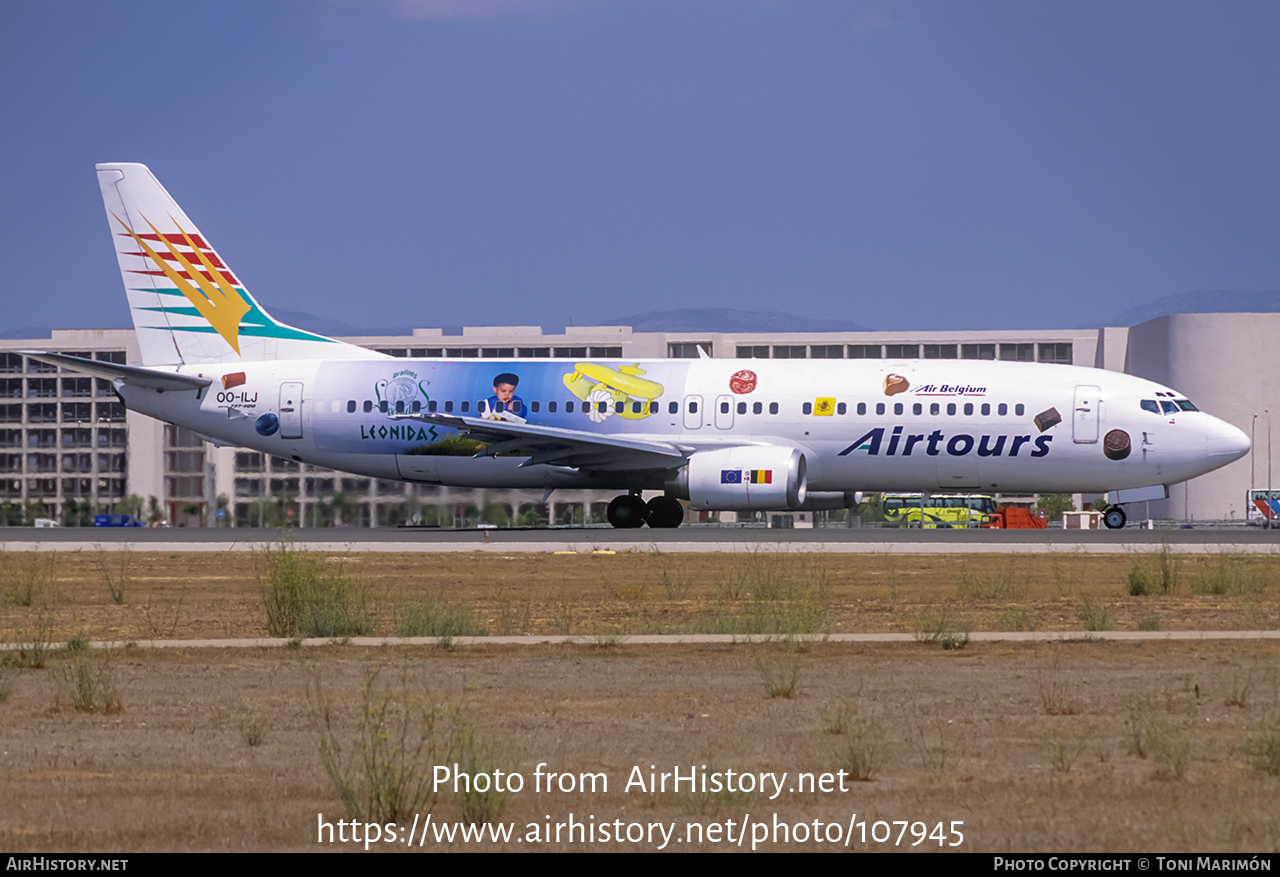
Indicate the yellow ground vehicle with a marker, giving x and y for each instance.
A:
(935, 512)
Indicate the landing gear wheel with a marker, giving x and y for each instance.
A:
(1114, 518)
(664, 512)
(626, 512)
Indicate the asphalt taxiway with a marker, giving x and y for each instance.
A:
(586, 540)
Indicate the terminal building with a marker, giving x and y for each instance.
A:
(69, 449)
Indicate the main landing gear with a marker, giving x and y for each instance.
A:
(629, 511)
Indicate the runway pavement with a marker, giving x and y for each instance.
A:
(586, 540)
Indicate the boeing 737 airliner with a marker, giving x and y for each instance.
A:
(722, 434)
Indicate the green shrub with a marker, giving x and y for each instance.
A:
(304, 598)
(382, 771)
(432, 616)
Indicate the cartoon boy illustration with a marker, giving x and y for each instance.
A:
(504, 396)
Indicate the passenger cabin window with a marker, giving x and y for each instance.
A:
(673, 407)
(773, 407)
(757, 408)
(551, 407)
(807, 408)
(968, 409)
(724, 407)
(351, 406)
(535, 407)
(1151, 405)
(568, 407)
(1002, 410)
(897, 407)
(368, 406)
(1019, 409)
(917, 409)
(742, 407)
(935, 409)
(986, 409)
(951, 409)
(693, 407)
(841, 408)
(384, 406)
(465, 407)
(862, 407)
(879, 408)
(448, 407)
(432, 405)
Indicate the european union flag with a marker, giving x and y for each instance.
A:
(730, 476)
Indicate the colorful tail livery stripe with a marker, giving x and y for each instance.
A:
(187, 305)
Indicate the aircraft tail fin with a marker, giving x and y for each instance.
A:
(187, 304)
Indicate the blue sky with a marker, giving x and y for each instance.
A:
(927, 165)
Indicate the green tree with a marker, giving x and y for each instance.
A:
(1054, 504)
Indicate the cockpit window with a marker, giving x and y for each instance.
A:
(1186, 405)
(1151, 405)
(1169, 407)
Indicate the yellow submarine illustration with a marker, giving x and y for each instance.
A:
(618, 388)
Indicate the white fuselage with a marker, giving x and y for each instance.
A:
(869, 425)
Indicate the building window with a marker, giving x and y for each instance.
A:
(42, 388)
(1057, 353)
(902, 351)
(939, 351)
(535, 352)
(77, 387)
(749, 352)
(1018, 352)
(688, 350)
(864, 351)
(462, 352)
(116, 356)
(826, 351)
(977, 351)
(795, 351)
(393, 351)
(77, 412)
(110, 412)
(42, 413)
(498, 352)
(606, 353)
(570, 352)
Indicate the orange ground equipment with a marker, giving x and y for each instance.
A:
(1013, 518)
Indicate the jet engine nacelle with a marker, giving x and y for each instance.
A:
(744, 478)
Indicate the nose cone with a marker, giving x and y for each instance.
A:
(1225, 443)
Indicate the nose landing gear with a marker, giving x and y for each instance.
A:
(1114, 518)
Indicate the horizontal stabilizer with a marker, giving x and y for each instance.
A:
(152, 379)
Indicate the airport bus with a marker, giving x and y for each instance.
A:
(933, 512)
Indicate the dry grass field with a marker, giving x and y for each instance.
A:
(1078, 746)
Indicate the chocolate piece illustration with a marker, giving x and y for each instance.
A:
(1046, 419)
(1116, 444)
(895, 384)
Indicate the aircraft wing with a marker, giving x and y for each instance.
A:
(562, 447)
(150, 378)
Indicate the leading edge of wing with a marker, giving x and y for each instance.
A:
(152, 379)
(564, 447)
